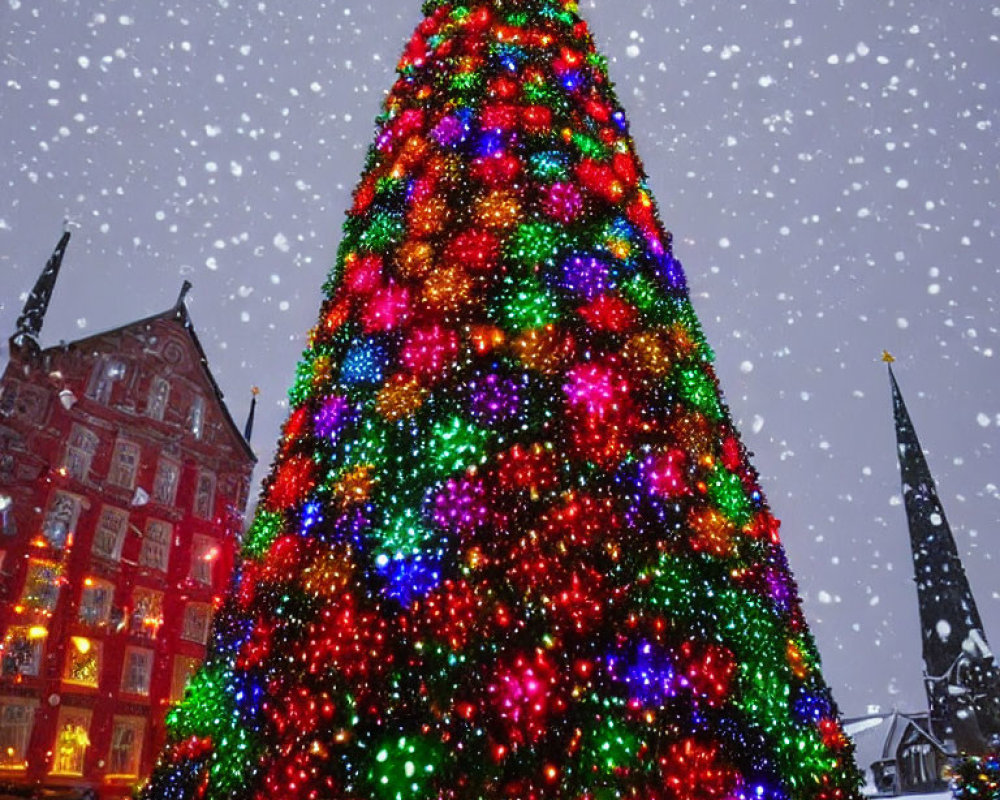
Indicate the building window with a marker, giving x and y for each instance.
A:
(23, 400)
(204, 554)
(22, 650)
(196, 416)
(80, 451)
(110, 533)
(184, 668)
(124, 464)
(95, 601)
(197, 618)
(17, 716)
(60, 518)
(204, 495)
(126, 747)
(107, 372)
(137, 670)
(83, 661)
(7, 526)
(41, 586)
(155, 552)
(147, 612)
(168, 475)
(72, 741)
(159, 393)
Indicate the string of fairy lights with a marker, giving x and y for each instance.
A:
(511, 545)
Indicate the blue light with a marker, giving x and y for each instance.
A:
(364, 363)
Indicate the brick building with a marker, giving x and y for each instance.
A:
(123, 485)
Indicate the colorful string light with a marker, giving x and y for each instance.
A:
(511, 545)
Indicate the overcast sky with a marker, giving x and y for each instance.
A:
(829, 170)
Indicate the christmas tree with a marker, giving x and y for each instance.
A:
(511, 545)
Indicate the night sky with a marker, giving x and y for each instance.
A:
(829, 170)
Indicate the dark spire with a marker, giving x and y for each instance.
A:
(248, 428)
(29, 324)
(185, 288)
(961, 677)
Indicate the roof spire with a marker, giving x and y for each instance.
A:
(29, 324)
(185, 288)
(248, 428)
(961, 676)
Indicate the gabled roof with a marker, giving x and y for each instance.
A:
(178, 315)
(877, 737)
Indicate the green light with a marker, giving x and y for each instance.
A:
(726, 490)
(265, 528)
(405, 769)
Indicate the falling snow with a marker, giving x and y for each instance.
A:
(830, 176)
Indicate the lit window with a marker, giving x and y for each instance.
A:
(72, 741)
(124, 464)
(110, 533)
(155, 552)
(204, 495)
(80, 450)
(107, 372)
(147, 612)
(60, 518)
(17, 716)
(168, 475)
(184, 668)
(7, 526)
(126, 747)
(41, 586)
(197, 619)
(159, 393)
(95, 601)
(137, 670)
(196, 416)
(83, 661)
(22, 650)
(204, 554)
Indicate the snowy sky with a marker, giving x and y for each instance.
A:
(829, 170)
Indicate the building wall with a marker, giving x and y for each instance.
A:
(122, 491)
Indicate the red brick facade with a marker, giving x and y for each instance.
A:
(123, 484)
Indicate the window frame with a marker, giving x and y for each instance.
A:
(93, 586)
(17, 750)
(120, 472)
(129, 671)
(162, 465)
(94, 651)
(121, 514)
(137, 726)
(81, 447)
(72, 715)
(204, 493)
(53, 515)
(154, 552)
(157, 401)
(201, 634)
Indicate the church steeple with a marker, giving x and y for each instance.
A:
(29, 324)
(961, 676)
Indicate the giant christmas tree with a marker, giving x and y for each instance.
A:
(511, 545)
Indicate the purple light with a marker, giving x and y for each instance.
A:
(460, 506)
(332, 417)
(494, 400)
(587, 276)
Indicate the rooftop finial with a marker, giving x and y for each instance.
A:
(888, 357)
(185, 288)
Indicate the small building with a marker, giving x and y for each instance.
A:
(898, 754)
(123, 487)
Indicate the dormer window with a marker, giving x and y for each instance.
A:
(159, 394)
(107, 372)
(196, 416)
